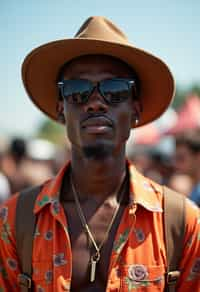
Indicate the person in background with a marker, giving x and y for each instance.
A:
(26, 163)
(187, 160)
(181, 183)
(11, 162)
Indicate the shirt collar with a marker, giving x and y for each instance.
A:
(50, 191)
(142, 190)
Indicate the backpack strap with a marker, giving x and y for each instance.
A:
(174, 223)
(25, 227)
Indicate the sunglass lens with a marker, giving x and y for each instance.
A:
(76, 91)
(114, 90)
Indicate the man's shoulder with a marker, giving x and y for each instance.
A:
(8, 209)
(143, 180)
(192, 213)
(159, 190)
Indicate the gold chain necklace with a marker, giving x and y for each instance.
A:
(96, 257)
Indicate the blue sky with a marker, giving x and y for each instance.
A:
(168, 29)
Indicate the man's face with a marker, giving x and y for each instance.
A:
(186, 161)
(98, 127)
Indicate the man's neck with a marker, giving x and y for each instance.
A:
(99, 178)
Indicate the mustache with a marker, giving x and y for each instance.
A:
(97, 115)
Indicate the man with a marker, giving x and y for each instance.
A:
(188, 159)
(99, 222)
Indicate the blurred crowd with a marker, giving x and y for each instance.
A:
(178, 168)
(25, 163)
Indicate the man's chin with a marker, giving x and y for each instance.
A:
(98, 152)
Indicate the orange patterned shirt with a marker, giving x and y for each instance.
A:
(138, 259)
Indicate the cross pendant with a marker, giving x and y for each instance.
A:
(94, 260)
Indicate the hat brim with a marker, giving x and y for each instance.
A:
(41, 67)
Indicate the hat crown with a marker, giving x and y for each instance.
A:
(100, 28)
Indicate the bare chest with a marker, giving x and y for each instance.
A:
(83, 248)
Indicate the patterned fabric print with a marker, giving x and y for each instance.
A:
(138, 277)
(138, 273)
(195, 271)
(5, 230)
(133, 243)
(48, 277)
(12, 264)
(142, 284)
(119, 243)
(134, 285)
(45, 200)
(56, 207)
(5, 233)
(59, 259)
(48, 235)
(139, 233)
(3, 213)
(3, 271)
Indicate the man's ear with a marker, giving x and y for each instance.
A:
(136, 111)
(60, 111)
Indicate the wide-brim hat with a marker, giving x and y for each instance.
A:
(97, 35)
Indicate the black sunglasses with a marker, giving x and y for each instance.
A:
(78, 91)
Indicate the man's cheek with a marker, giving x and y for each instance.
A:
(124, 128)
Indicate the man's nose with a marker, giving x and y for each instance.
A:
(96, 102)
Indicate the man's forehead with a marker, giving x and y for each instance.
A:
(105, 63)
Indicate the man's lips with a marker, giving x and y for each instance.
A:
(96, 122)
(97, 125)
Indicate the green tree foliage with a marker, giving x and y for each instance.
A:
(51, 131)
(182, 93)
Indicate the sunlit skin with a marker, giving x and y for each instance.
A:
(96, 180)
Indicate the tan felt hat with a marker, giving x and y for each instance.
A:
(97, 35)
